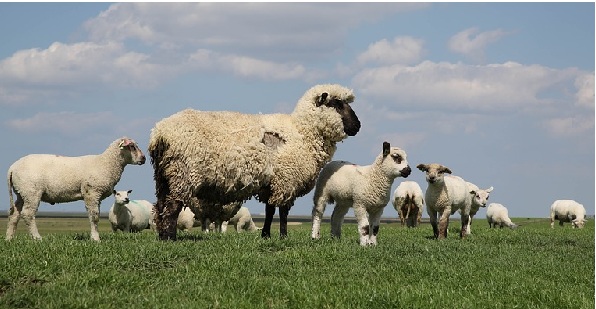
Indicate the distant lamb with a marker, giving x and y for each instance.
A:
(204, 215)
(224, 157)
(129, 215)
(568, 211)
(186, 220)
(479, 198)
(497, 215)
(57, 179)
(242, 221)
(408, 201)
(444, 196)
(367, 189)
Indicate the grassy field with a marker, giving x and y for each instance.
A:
(531, 267)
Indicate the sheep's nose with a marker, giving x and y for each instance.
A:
(405, 172)
(126, 200)
(142, 160)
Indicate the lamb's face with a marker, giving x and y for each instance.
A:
(131, 152)
(480, 197)
(396, 159)
(121, 197)
(434, 172)
(578, 223)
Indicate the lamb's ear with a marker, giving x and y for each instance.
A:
(114, 192)
(129, 191)
(386, 149)
(322, 98)
(422, 167)
(489, 190)
(446, 170)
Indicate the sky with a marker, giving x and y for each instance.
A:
(501, 93)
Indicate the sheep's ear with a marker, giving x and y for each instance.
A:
(114, 192)
(422, 167)
(446, 170)
(473, 192)
(489, 190)
(322, 98)
(386, 149)
(129, 191)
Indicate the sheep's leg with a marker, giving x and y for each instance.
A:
(444, 222)
(283, 221)
(166, 218)
(364, 229)
(433, 221)
(337, 218)
(14, 216)
(317, 215)
(93, 212)
(269, 213)
(465, 223)
(375, 220)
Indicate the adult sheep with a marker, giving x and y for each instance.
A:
(568, 211)
(224, 157)
(57, 179)
(445, 195)
(408, 201)
(129, 215)
(498, 215)
(479, 198)
(366, 189)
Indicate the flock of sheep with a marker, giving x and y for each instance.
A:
(207, 164)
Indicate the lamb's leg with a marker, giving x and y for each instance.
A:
(375, 221)
(444, 222)
(317, 215)
(433, 221)
(92, 206)
(13, 218)
(284, 211)
(465, 224)
(166, 218)
(364, 229)
(337, 218)
(28, 215)
(269, 212)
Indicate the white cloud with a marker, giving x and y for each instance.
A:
(403, 50)
(67, 123)
(571, 126)
(471, 42)
(456, 86)
(585, 90)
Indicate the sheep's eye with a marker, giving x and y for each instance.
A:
(397, 158)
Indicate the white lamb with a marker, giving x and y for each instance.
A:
(497, 214)
(365, 188)
(479, 198)
(186, 220)
(568, 211)
(129, 215)
(408, 201)
(445, 195)
(242, 221)
(56, 179)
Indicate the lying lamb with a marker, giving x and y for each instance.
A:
(129, 215)
(242, 221)
(365, 188)
(408, 201)
(497, 214)
(568, 211)
(56, 179)
(479, 199)
(224, 157)
(444, 196)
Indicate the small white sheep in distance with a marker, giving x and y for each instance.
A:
(408, 201)
(129, 215)
(445, 195)
(223, 157)
(568, 211)
(56, 179)
(206, 217)
(479, 199)
(186, 220)
(498, 215)
(367, 189)
(242, 221)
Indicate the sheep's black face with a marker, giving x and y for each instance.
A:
(348, 116)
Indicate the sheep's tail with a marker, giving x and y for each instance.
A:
(409, 200)
(9, 181)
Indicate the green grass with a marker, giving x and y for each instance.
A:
(531, 267)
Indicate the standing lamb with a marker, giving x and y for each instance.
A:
(568, 211)
(224, 157)
(57, 179)
(408, 201)
(365, 188)
(242, 221)
(129, 215)
(479, 198)
(444, 196)
(497, 214)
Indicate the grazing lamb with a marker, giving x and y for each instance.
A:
(479, 199)
(408, 201)
(199, 214)
(186, 220)
(129, 215)
(497, 214)
(224, 157)
(57, 179)
(242, 221)
(365, 188)
(444, 196)
(568, 211)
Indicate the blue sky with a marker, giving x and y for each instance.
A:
(501, 93)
